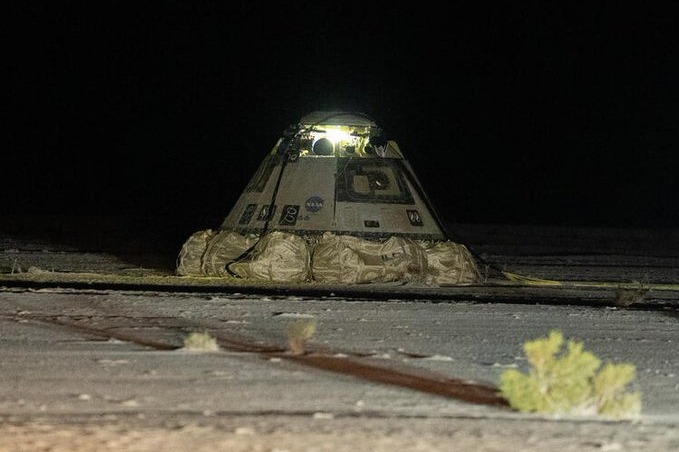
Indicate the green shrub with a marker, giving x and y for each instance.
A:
(566, 382)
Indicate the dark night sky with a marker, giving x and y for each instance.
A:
(533, 112)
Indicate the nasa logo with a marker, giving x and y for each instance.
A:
(313, 204)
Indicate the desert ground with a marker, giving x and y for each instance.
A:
(106, 368)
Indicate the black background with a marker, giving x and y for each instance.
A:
(530, 112)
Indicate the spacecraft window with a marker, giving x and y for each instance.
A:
(323, 146)
(371, 180)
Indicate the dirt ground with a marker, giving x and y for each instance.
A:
(324, 433)
(177, 431)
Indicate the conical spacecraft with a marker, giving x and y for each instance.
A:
(334, 201)
(335, 171)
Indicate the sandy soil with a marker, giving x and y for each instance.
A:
(280, 434)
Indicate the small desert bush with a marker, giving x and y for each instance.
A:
(566, 382)
(203, 342)
(299, 332)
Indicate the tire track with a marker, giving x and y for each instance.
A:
(336, 361)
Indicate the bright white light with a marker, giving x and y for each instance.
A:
(336, 135)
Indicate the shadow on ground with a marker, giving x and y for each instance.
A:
(145, 241)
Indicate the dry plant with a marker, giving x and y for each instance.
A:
(202, 342)
(627, 297)
(299, 332)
